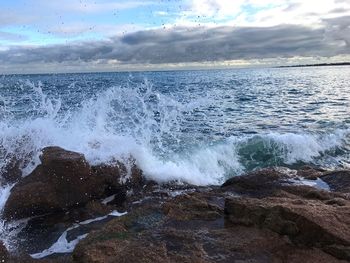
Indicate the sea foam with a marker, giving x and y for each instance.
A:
(121, 122)
(139, 121)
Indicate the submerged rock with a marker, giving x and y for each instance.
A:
(63, 180)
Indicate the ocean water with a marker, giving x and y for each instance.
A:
(198, 127)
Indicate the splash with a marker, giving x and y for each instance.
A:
(120, 122)
(62, 245)
(173, 136)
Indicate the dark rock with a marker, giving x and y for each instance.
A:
(309, 172)
(256, 179)
(12, 172)
(156, 233)
(4, 255)
(62, 181)
(275, 182)
(258, 183)
(172, 223)
(309, 223)
(338, 180)
(305, 191)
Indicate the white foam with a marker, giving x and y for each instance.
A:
(318, 183)
(115, 124)
(8, 231)
(4, 194)
(62, 245)
(206, 166)
(108, 199)
(306, 147)
(120, 122)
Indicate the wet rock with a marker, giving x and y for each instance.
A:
(62, 181)
(309, 172)
(276, 183)
(4, 255)
(153, 232)
(192, 206)
(304, 191)
(338, 180)
(12, 172)
(172, 223)
(309, 223)
(258, 183)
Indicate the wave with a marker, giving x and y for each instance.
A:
(120, 122)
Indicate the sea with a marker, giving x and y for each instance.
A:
(199, 127)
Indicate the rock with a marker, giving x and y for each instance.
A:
(62, 181)
(295, 222)
(309, 223)
(12, 172)
(338, 180)
(276, 182)
(309, 172)
(4, 255)
(305, 191)
(258, 183)
(190, 207)
(158, 233)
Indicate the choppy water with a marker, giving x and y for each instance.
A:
(196, 126)
(199, 127)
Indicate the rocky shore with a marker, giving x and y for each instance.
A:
(269, 215)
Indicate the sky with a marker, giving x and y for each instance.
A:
(38, 36)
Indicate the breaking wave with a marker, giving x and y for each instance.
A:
(124, 121)
(173, 137)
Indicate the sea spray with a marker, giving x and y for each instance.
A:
(154, 128)
(9, 230)
(198, 127)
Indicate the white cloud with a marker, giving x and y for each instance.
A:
(219, 8)
(161, 13)
(262, 13)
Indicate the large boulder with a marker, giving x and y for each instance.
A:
(63, 180)
(310, 223)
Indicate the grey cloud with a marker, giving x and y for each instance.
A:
(339, 29)
(292, 7)
(200, 44)
(338, 10)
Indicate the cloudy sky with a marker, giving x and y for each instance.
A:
(104, 35)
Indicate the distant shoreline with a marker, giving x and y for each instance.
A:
(317, 65)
